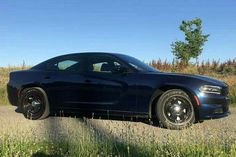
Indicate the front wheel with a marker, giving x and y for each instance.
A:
(34, 103)
(175, 110)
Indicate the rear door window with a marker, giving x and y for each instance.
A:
(64, 65)
(70, 64)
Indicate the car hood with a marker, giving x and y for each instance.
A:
(210, 80)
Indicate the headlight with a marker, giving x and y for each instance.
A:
(210, 89)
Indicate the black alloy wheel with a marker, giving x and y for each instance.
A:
(175, 110)
(34, 103)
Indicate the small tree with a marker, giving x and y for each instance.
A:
(194, 40)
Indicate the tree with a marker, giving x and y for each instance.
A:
(194, 41)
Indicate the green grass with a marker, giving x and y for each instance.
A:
(85, 140)
(88, 141)
(107, 148)
(3, 96)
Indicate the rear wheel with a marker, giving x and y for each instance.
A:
(175, 110)
(34, 103)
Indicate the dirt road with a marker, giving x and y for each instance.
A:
(10, 121)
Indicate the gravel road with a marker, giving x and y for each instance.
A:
(10, 121)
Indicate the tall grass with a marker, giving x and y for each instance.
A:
(91, 147)
(205, 67)
(4, 76)
(232, 95)
(83, 138)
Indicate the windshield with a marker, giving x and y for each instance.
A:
(137, 64)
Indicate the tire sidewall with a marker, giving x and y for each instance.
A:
(44, 111)
(164, 121)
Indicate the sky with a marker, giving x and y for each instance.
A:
(33, 31)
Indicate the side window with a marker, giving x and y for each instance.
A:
(73, 64)
(63, 65)
(99, 66)
(103, 64)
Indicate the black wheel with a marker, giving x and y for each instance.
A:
(175, 110)
(34, 103)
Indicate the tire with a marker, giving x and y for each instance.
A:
(174, 110)
(34, 103)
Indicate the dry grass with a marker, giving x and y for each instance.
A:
(60, 136)
(205, 67)
(4, 76)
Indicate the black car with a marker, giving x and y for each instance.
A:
(118, 85)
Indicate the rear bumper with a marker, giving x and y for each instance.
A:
(12, 95)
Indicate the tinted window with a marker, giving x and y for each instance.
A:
(102, 63)
(137, 64)
(63, 65)
(69, 63)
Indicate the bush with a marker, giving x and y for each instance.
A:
(232, 95)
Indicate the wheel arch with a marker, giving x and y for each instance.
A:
(31, 85)
(159, 91)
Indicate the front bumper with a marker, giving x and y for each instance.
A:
(213, 106)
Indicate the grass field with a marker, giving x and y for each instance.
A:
(89, 144)
(86, 140)
(72, 137)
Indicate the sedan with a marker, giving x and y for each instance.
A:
(117, 85)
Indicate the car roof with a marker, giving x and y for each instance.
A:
(90, 53)
(75, 54)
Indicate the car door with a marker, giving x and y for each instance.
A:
(65, 82)
(112, 90)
